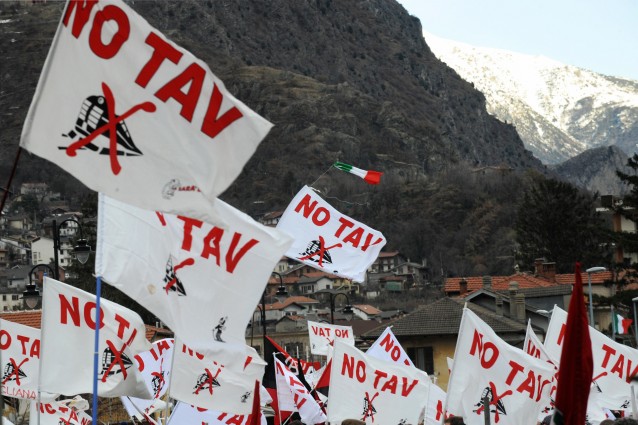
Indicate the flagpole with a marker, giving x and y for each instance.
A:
(613, 324)
(633, 403)
(458, 338)
(42, 340)
(96, 354)
(170, 380)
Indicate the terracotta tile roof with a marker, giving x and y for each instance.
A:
(30, 318)
(443, 317)
(287, 280)
(300, 300)
(368, 309)
(320, 274)
(501, 283)
(388, 254)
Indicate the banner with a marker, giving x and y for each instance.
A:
(183, 413)
(68, 332)
(328, 240)
(323, 335)
(374, 391)
(293, 396)
(20, 347)
(535, 348)
(201, 280)
(133, 115)
(614, 363)
(387, 348)
(515, 383)
(57, 413)
(155, 367)
(218, 377)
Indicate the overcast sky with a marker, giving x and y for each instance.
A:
(599, 35)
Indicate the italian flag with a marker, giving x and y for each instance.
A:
(371, 177)
(621, 324)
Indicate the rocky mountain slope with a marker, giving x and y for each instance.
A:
(558, 110)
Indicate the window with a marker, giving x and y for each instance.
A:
(4, 298)
(423, 358)
(15, 297)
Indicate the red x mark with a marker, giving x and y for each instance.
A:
(160, 377)
(173, 281)
(209, 380)
(110, 127)
(598, 376)
(322, 249)
(15, 371)
(118, 359)
(495, 399)
(369, 408)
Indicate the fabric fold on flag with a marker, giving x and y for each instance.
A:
(159, 260)
(293, 396)
(370, 176)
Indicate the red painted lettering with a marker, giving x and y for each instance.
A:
(213, 125)
(162, 50)
(109, 13)
(189, 223)
(82, 10)
(193, 77)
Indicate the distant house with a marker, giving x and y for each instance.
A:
(394, 272)
(271, 219)
(366, 312)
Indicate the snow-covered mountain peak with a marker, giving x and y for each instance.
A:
(559, 110)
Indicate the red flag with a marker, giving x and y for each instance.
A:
(576, 362)
(255, 416)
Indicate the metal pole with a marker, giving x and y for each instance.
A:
(486, 410)
(591, 305)
(263, 321)
(613, 324)
(635, 319)
(56, 248)
(332, 308)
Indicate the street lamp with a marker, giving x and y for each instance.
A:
(281, 290)
(346, 310)
(31, 295)
(591, 304)
(634, 300)
(82, 250)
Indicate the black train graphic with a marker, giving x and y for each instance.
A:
(93, 115)
(177, 286)
(368, 408)
(9, 371)
(108, 357)
(205, 383)
(313, 248)
(487, 392)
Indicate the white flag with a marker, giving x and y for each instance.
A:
(614, 364)
(133, 115)
(535, 348)
(218, 377)
(155, 368)
(20, 347)
(387, 348)
(203, 281)
(323, 335)
(183, 414)
(293, 396)
(328, 240)
(515, 383)
(68, 323)
(374, 391)
(56, 413)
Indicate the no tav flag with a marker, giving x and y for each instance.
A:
(133, 115)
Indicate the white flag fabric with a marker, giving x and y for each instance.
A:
(387, 348)
(328, 240)
(535, 348)
(293, 396)
(183, 414)
(218, 377)
(323, 335)
(155, 367)
(133, 115)
(68, 332)
(20, 347)
(485, 365)
(201, 280)
(56, 413)
(614, 364)
(374, 391)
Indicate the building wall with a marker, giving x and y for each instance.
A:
(442, 347)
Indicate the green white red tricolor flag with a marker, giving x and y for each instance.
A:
(370, 176)
(621, 324)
